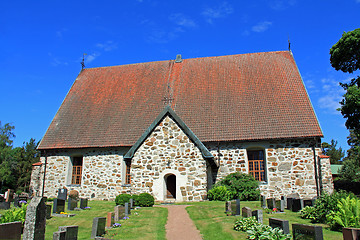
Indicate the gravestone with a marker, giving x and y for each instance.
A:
(119, 212)
(16, 201)
(228, 207)
(131, 203)
(83, 203)
(98, 227)
(48, 211)
(72, 203)
(307, 232)
(35, 220)
(285, 201)
(351, 233)
(10, 230)
(71, 232)
(110, 219)
(246, 212)
(258, 214)
(59, 235)
(9, 195)
(58, 206)
(297, 205)
(263, 201)
(4, 205)
(280, 205)
(280, 223)
(62, 194)
(271, 203)
(127, 209)
(307, 202)
(289, 202)
(235, 207)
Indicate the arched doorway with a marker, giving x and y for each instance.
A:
(171, 186)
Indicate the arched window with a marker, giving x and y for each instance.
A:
(256, 161)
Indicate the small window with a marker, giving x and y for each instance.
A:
(127, 172)
(77, 170)
(257, 164)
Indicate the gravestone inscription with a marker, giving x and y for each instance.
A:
(35, 220)
(98, 227)
(307, 232)
(280, 223)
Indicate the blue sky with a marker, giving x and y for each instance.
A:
(42, 42)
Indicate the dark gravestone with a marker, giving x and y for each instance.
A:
(127, 209)
(48, 211)
(351, 233)
(289, 203)
(307, 202)
(263, 201)
(271, 203)
(235, 207)
(35, 220)
(58, 206)
(98, 227)
(16, 201)
(279, 223)
(72, 203)
(4, 205)
(10, 230)
(59, 235)
(246, 212)
(258, 214)
(62, 194)
(297, 205)
(119, 213)
(307, 232)
(83, 203)
(71, 232)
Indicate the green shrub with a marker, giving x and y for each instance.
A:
(136, 199)
(145, 200)
(220, 193)
(244, 224)
(308, 213)
(243, 185)
(122, 199)
(347, 215)
(14, 215)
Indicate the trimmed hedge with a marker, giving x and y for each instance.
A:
(145, 200)
(122, 199)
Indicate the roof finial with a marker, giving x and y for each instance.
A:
(289, 43)
(83, 62)
(178, 58)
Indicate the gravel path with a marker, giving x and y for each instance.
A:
(179, 225)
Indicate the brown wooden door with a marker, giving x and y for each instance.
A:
(171, 186)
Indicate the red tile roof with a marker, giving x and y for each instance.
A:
(238, 97)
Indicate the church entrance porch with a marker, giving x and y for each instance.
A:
(170, 186)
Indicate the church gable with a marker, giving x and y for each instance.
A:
(168, 164)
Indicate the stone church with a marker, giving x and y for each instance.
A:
(174, 128)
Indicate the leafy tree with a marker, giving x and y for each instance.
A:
(350, 170)
(335, 154)
(345, 56)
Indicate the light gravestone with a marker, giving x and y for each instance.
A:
(235, 207)
(258, 214)
(308, 232)
(9, 195)
(35, 220)
(263, 201)
(59, 235)
(83, 203)
(119, 213)
(58, 206)
(71, 232)
(98, 227)
(280, 205)
(351, 233)
(127, 209)
(62, 194)
(246, 212)
(228, 207)
(11, 231)
(280, 223)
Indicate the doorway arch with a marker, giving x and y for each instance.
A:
(170, 181)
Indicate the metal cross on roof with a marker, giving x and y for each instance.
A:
(168, 100)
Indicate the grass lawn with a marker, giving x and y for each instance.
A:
(210, 219)
(149, 223)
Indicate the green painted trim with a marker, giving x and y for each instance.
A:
(168, 112)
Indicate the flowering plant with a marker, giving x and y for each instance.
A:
(63, 213)
(275, 209)
(125, 218)
(22, 202)
(116, 225)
